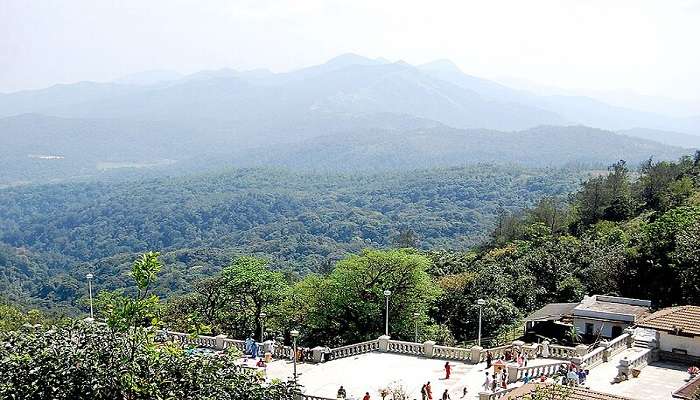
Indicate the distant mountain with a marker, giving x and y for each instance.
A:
(348, 85)
(440, 146)
(150, 77)
(665, 137)
(371, 113)
(42, 147)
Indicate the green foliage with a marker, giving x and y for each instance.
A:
(301, 222)
(89, 361)
(231, 301)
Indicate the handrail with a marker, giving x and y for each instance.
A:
(354, 349)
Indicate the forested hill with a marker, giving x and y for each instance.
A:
(299, 221)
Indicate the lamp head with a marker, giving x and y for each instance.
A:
(294, 333)
(481, 302)
(89, 276)
(387, 293)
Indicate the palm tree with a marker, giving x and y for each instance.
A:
(573, 335)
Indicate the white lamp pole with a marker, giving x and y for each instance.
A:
(481, 303)
(387, 293)
(89, 278)
(294, 334)
(415, 320)
(262, 326)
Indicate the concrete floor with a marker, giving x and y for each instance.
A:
(371, 372)
(656, 382)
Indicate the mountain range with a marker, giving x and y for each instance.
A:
(369, 113)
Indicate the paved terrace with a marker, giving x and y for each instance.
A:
(656, 382)
(373, 371)
(376, 364)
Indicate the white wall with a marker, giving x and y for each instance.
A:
(580, 324)
(667, 342)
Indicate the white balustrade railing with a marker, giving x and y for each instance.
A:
(452, 353)
(397, 346)
(500, 394)
(638, 361)
(539, 370)
(594, 358)
(282, 352)
(354, 349)
(239, 344)
(563, 352)
(496, 352)
(618, 344)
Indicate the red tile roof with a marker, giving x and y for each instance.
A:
(559, 392)
(684, 319)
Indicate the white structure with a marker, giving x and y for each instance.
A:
(608, 316)
(677, 329)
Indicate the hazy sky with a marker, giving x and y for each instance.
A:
(651, 47)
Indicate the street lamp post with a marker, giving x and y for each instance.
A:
(89, 277)
(387, 293)
(415, 320)
(294, 334)
(262, 326)
(481, 303)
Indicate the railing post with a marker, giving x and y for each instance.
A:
(220, 341)
(384, 343)
(607, 351)
(630, 337)
(476, 354)
(512, 373)
(428, 348)
(485, 395)
(581, 350)
(317, 354)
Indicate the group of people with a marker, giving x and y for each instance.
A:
(515, 355)
(496, 381)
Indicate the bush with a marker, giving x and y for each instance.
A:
(90, 361)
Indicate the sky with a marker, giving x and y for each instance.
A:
(649, 47)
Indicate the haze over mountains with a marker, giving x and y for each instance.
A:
(349, 113)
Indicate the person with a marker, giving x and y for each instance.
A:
(429, 391)
(494, 383)
(525, 360)
(423, 392)
(341, 392)
(445, 395)
(260, 363)
(526, 378)
(254, 350)
(489, 358)
(464, 392)
(487, 382)
(249, 345)
(366, 396)
(448, 369)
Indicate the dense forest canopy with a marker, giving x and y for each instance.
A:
(53, 235)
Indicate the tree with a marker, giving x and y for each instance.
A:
(352, 303)
(123, 312)
(231, 301)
